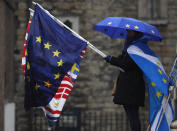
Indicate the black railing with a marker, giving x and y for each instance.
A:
(76, 119)
(70, 121)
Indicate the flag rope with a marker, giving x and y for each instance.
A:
(76, 34)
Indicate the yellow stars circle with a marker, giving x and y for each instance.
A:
(127, 25)
(159, 70)
(152, 31)
(165, 81)
(56, 53)
(37, 86)
(60, 63)
(47, 83)
(47, 45)
(153, 84)
(136, 27)
(158, 94)
(38, 39)
(57, 76)
(109, 23)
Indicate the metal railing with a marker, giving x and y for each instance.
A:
(76, 119)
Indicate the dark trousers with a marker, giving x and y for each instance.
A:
(132, 113)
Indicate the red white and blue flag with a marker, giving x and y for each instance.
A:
(51, 57)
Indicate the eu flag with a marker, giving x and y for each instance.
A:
(157, 83)
(51, 51)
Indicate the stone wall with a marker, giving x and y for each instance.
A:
(7, 42)
(93, 88)
(22, 17)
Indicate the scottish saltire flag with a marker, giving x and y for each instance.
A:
(157, 82)
(51, 58)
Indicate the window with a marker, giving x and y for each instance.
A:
(153, 11)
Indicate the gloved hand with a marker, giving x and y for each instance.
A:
(108, 58)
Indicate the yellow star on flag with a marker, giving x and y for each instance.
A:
(57, 76)
(127, 25)
(47, 45)
(38, 39)
(37, 86)
(47, 84)
(56, 53)
(152, 31)
(109, 23)
(28, 66)
(159, 70)
(165, 81)
(60, 63)
(158, 94)
(158, 63)
(153, 84)
(136, 27)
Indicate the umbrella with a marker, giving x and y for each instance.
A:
(116, 27)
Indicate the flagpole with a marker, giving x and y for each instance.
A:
(164, 109)
(76, 34)
(31, 10)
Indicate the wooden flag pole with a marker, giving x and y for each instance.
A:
(164, 109)
(61, 23)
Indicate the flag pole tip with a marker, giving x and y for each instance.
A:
(34, 3)
(31, 10)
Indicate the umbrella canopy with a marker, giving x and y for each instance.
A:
(116, 27)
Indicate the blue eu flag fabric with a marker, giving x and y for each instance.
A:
(51, 52)
(157, 83)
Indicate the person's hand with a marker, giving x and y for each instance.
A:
(107, 58)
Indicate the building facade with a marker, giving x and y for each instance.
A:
(93, 88)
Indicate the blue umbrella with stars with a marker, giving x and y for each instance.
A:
(116, 27)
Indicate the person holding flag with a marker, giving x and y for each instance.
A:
(139, 65)
(52, 54)
(130, 89)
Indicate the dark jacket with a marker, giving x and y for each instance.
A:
(130, 84)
